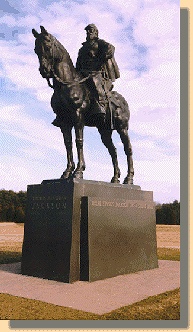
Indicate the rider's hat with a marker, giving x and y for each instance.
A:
(91, 26)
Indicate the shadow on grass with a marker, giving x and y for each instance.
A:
(9, 257)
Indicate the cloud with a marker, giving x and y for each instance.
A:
(16, 122)
(156, 23)
(146, 37)
(165, 180)
(7, 8)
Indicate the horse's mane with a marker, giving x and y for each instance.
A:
(59, 52)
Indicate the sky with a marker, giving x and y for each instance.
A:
(146, 36)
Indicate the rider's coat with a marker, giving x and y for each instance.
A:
(98, 55)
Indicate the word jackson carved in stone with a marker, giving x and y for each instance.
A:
(84, 96)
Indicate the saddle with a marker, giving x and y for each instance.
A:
(101, 112)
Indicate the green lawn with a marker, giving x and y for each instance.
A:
(165, 306)
(168, 254)
(160, 307)
(10, 252)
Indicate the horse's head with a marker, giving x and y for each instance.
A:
(44, 50)
(53, 58)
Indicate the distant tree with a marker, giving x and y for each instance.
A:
(12, 205)
(168, 214)
(19, 214)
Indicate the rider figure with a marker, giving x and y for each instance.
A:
(96, 58)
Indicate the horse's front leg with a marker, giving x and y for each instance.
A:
(67, 134)
(78, 173)
(106, 137)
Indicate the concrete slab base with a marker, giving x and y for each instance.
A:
(98, 297)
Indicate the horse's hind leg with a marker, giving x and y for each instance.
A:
(128, 151)
(106, 137)
(67, 134)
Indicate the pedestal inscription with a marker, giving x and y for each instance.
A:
(48, 231)
(117, 237)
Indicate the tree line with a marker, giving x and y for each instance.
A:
(168, 214)
(13, 206)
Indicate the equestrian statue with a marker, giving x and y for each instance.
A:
(84, 96)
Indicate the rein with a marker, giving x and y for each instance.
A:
(70, 83)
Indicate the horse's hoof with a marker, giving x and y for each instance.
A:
(115, 180)
(78, 175)
(66, 175)
(128, 180)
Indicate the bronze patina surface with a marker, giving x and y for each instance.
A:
(84, 96)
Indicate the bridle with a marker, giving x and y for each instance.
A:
(68, 83)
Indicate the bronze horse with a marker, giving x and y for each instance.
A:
(72, 102)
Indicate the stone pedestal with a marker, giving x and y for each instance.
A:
(88, 230)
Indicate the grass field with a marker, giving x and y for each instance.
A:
(165, 306)
(160, 307)
(168, 236)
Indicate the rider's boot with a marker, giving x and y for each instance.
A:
(56, 122)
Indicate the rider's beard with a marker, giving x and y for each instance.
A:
(92, 36)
